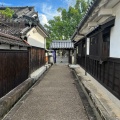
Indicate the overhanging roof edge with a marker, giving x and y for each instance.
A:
(91, 9)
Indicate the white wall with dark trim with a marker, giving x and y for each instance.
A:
(115, 34)
(36, 38)
(8, 47)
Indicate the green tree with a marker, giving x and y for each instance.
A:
(63, 26)
(7, 12)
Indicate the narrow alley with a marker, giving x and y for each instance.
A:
(55, 97)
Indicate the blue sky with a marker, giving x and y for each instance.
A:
(46, 8)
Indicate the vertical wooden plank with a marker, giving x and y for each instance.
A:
(13, 69)
(108, 73)
(113, 76)
(100, 44)
(100, 72)
(85, 55)
(93, 67)
(97, 68)
(29, 49)
(103, 70)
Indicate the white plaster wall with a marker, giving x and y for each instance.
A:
(35, 38)
(15, 48)
(4, 46)
(7, 47)
(115, 34)
(23, 48)
(88, 46)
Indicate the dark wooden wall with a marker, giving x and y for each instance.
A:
(98, 64)
(107, 73)
(14, 69)
(37, 58)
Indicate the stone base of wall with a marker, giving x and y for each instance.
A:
(104, 102)
(9, 100)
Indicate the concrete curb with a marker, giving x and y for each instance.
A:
(13, 96)
(35, 75)
(106, 109)
(8, 101)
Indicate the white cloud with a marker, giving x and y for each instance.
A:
(43, 19)
(49, 11)
(46, 11)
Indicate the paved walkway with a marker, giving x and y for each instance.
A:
(61, 60)
(54, 98)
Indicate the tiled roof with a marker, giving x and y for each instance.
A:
(24, 14)
(20, 11)
(12, 40)
(61, 44)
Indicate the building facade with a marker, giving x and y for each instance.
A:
(97, 43)
(22, 47)
(26, 25)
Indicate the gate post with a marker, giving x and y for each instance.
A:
(55, 56)
(75, 56)
(69, 56)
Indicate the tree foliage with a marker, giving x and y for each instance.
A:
(7, 12)
(63, 26)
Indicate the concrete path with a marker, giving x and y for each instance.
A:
(61, 60)
(54, 98)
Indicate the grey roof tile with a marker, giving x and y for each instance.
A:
(61, 44)
(11, 40)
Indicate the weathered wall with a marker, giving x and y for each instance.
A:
(36, 39)
(115, 34)
(7, 47)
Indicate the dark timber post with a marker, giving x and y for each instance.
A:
(85, 49)
(68, 56)
(75, 55)
(55, 57)
(85, 55)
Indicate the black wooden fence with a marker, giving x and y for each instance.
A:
(37, 58)
(107, 73)
(14, 69)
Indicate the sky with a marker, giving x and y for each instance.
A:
(46, 9)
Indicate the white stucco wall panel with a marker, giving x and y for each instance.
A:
(88, 46)
(4, 46)
(23, 48)
(34, 42)
(35, 38)
(15, 48)
(115, 34)
(7, 47)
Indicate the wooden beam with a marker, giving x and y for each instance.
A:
(92, 24)
(106, 12)
(84, 31)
